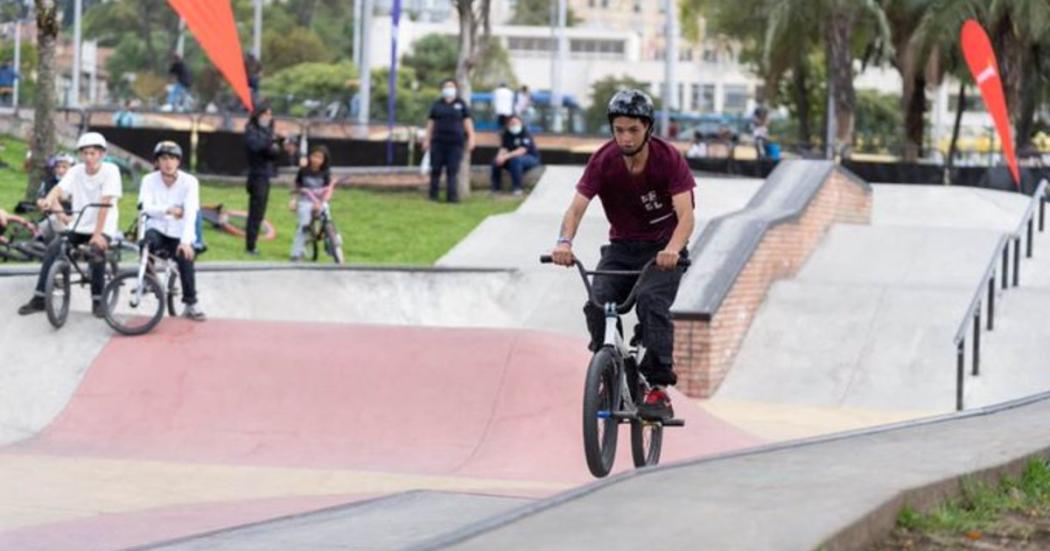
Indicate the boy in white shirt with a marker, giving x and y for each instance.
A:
(90, 182)
(171, 199)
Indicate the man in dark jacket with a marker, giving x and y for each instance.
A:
(262, 148)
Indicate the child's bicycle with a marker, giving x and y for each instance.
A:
(135, 299)
(322, 233)
(614, 385)
(67, 270)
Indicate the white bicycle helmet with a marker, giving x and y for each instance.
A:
(91, 139)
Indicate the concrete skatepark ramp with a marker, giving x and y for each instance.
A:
(407, 404)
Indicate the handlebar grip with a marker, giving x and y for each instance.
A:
(684, 263)
(546, 259)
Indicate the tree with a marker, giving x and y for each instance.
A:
(495, 67)
(1019, 36)
(538, 13)
(412, 103)
(44, 125)
(473, 17)
(433, 58)
(292, 47)
(324, 82)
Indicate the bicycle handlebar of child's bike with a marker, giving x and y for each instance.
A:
(628, 303)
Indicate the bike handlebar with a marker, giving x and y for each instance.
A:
(628, 303)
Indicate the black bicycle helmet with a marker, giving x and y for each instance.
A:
(631, 103)
(167, 147)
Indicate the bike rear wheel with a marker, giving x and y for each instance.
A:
(647, 438)
(57, 293)
(600, 399)
(131, 310)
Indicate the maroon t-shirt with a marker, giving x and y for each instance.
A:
(638, 207)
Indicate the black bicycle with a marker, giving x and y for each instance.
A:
(323, 234)
(614, 385)
(68, 270)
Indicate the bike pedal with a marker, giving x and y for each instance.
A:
(673, 423)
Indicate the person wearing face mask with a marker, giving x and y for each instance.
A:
(517, 155)
(262, 147)
(449, 130)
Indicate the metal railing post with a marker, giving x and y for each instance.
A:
(1017, 261)
(1006, 265)
(977, 341)
(960, 370)
(1042, 212)
(991, 302)
(1031, 233)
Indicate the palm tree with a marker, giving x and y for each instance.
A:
(43, 118)
(1020, 38)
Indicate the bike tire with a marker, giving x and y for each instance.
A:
(111, 299)
(315, 241)
(57, 293)
(601, 393)
(647, 440)
(172, 294)
(334, 243)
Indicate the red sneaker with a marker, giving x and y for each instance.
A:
(656, 405)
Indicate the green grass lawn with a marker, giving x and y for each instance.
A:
(1013, 514)
(378, 227)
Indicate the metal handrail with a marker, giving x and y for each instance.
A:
(973, 311)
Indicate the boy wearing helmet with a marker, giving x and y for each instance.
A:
(171, 199)
(57, 166)
(646, 189)
(90, 182)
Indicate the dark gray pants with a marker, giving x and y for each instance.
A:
(655, 297)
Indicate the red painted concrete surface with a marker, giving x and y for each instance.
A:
(501, 404)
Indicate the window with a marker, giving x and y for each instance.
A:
(694, 97)
(685, 54)
(735, 98)
(637, 6)
(681, 96)
(710, 55)
(530, 44)
(596, 48)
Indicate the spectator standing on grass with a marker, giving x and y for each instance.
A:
(262, 147)
(450, 130)
(517, 155)
(8, 76)
(503, 103)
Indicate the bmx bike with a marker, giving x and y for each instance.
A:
(615, 386)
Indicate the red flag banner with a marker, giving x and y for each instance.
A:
(212, 24)
(985, 70)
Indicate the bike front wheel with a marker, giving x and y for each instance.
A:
(333, 243)
(600, 401)
(57, 293)
(133, 308)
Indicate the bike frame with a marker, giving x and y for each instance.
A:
(145, 258)
(613, 337)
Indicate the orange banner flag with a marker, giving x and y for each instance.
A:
(985, 70)
(212, 24)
